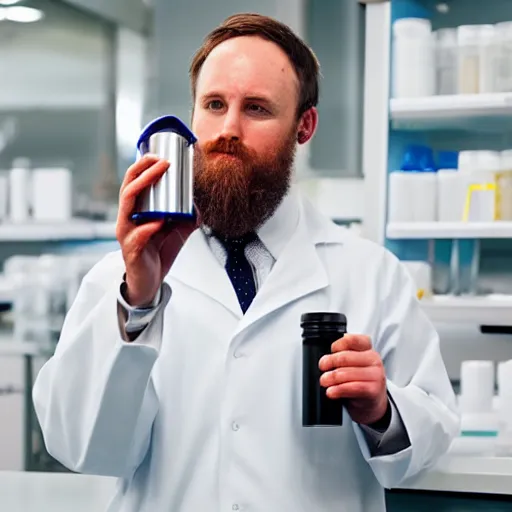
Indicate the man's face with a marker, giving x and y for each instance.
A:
(245, 119)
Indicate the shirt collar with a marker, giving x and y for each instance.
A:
(277, 230)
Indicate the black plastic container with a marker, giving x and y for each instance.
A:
(319, 331)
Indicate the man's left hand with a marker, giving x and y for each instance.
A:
(355, 373)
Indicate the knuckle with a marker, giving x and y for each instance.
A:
(361, 388)
(342, 359)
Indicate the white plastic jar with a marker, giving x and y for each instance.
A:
(413, 58)
(468, 37)
(446, 60)
(504, 37)
(489, 55)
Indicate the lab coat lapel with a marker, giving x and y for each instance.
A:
(297, 272)
(197, 267)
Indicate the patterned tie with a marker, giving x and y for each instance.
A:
(239, 269)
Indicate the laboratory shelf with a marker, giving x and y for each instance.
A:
(104, 230)
(448, 230)
(454, 473)
(76, 229)
(454, 111)
(495, 310)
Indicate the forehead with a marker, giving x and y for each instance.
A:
(248, 65)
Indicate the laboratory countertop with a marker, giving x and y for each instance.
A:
(480, 475)
(62, 492)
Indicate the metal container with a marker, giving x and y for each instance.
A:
(172, 197)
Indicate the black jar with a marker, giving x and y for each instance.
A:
(319, 332)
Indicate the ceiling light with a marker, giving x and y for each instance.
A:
(9, 2)
(22, 14)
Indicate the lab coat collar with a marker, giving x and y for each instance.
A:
(292, 235)
(278, 229)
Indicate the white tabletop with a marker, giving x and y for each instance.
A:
(63, 492)
(54, 492)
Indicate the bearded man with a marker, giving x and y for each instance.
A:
(179, 367)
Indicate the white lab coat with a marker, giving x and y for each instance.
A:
(203, 412)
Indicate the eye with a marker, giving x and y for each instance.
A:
(256, 109)
(214, 105)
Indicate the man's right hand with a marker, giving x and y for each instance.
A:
(148, 249)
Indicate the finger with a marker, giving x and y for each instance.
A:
(135, 170)
(179, 230)
(343, 375)
(140, 236)
(362, 390)
(349, 358)
(357, 342)
(132, 191)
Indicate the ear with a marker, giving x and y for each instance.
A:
(307, 125)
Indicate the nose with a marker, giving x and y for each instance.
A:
(231, 128)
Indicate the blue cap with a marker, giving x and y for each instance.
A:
(418, 158)
(166, 124)
(448, 160)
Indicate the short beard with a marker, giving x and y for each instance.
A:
(235, 191)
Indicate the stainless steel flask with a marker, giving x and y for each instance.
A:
(172, 197)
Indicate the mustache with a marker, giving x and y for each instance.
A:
(229, 146)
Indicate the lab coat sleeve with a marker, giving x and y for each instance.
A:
(392, 440)
(94, 398)
(417, 379)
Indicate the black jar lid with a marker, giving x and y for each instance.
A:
(323, 318)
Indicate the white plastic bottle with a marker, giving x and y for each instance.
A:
(413, 58)
(488, 55)
(19, 190)
(451, 195)
(400, 200)
(446, 61)
(469, 59)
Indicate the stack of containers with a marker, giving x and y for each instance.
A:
(470, 186)
(469, 59)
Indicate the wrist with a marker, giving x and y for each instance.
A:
(382, 423)
(136, 300)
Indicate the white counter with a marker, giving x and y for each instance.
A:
(58, 492)
(480, 475)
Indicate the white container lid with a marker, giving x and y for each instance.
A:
(468, 161)
(468, 34)
(412, 27)
(446, 36)
(489, 161)
(504, 29)
(487, 34)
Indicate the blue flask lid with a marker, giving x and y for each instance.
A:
(166, 124)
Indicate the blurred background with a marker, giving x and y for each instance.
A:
(413, 151)
(79, 80)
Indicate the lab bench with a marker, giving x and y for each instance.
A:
(457, 484)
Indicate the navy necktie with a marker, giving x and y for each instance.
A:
(239, 269)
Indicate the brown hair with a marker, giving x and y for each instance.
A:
(301, 56)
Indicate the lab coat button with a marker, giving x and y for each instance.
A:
(235, 427)
(238, 355)
(235, 507)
